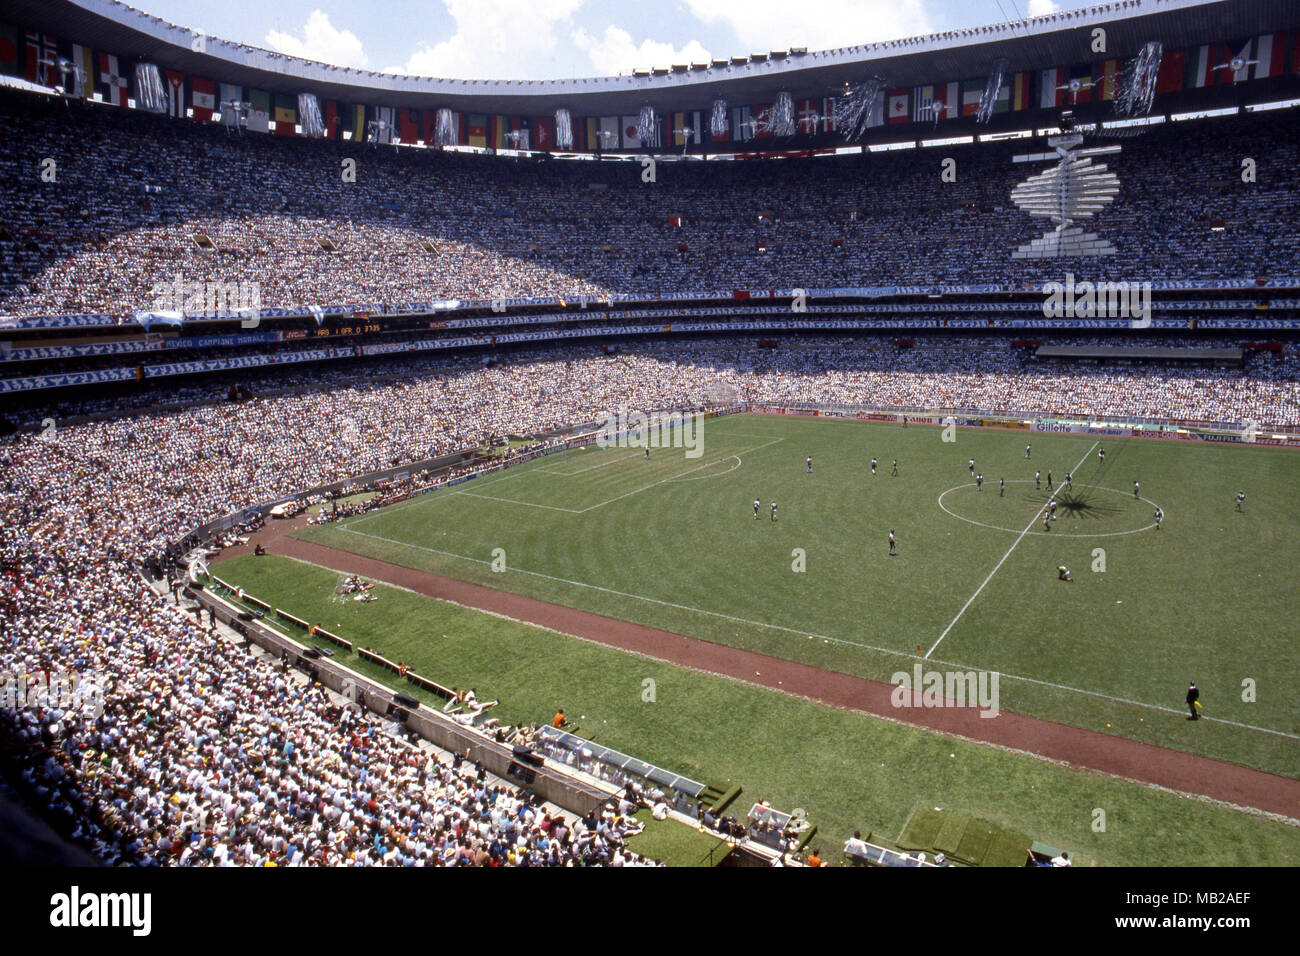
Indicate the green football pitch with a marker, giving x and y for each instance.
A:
(672, 542)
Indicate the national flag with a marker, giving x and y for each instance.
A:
(896, 110)
(807, 117)
(763, 122)
(259, 113)
(9, 58)
(1201, 62)
(948, 100)
(1243, 49)
(384, 120)
(497, 132)
(1018, 91)
(408, 127)
(1169, 78)
(828, 114)
(922, 100)
(1108, 74)
(971, 92)
(520, 133)
(742, 124)
(83, 60)
(354, 123)
(1270, 51)
(1082, 75)
(1050, 94)
(203, 100)
(230, 94)
(628, 126)
(112, 80)
(544, 133)
(175, 87)
(330, 118)
(42, 57)
(609, 135)
(285, 113)
(429, 127)
(478, 129)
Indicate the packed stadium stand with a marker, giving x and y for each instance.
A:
(133, 423)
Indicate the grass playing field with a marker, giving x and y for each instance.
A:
(672, 542)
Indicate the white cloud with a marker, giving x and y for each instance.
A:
(495, 40)
(321, 41)
(764, 25)
(1041, 8)
(617, 52)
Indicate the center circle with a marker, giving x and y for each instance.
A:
(1126, 495)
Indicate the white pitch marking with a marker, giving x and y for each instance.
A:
(1045, 534)
(1019, 538)
(812, 634)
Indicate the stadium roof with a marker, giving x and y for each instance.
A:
(1034, 43)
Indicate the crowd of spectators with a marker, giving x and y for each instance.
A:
(205, 754)
(134, 190)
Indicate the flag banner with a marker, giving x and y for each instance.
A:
(742, 124)
(808, 117)
(429, 127)
(175, 86)
(1169, 78)
(763, 122)
(41, 56)
(478, 129)
(497, 137)
(628, 125)
(285, 113)
(610, 135)
(10, 59)
(385, 121)
(897, 108)
(203, 100)
(828, 114)
(544, 133)
(1270, 52)
(971, 91)
(1082, 75)
(1201, 62)
(231, 97)
(949, 98)
(1108, 74)
(408, 126)
(1018, 90)
(331, 119)
(1240, 50)
(354, 122)
(259, 113)
(112, 82)
(81, 82)
(1050, 94)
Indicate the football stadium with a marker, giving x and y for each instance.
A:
(881, 456)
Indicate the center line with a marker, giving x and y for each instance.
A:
(1019, 538)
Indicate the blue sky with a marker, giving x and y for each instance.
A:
(561, 39)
